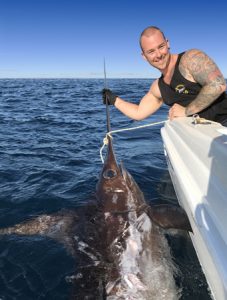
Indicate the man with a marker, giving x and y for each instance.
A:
(190, 83)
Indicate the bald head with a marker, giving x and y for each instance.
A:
(149, 31)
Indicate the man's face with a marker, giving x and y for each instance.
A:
(155, 50)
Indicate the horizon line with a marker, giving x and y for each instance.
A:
(7, 78)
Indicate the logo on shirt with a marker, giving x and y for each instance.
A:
(180, 89)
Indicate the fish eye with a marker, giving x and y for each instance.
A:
(108, 174)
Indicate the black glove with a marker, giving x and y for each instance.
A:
(109, 96)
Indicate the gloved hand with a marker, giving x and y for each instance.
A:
(109, 96)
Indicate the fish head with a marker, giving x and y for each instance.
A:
(116, 189)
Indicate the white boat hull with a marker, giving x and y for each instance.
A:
(197, 162)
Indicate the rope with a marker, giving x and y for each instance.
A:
(109, 134)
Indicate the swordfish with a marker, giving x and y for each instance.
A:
(120, 243)
(133, 231)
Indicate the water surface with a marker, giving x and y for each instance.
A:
(51, 131)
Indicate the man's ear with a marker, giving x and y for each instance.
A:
(168, 44)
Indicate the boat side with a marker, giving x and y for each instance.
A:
(197, 160)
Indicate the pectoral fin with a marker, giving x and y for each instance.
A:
(58, 226)
(169, 216)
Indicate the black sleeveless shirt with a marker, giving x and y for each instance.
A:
(182, 91)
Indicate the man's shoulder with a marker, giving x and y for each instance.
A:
(190, 61)
(154, 89)
(154, 84)
(194, 52)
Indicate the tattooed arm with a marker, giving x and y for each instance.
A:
(196, 66)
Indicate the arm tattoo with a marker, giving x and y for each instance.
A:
(198, 66)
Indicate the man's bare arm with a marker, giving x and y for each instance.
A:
(149, 104)
(198, 67)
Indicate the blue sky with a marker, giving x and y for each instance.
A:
(66, 38)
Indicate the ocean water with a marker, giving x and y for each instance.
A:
(51, 131)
